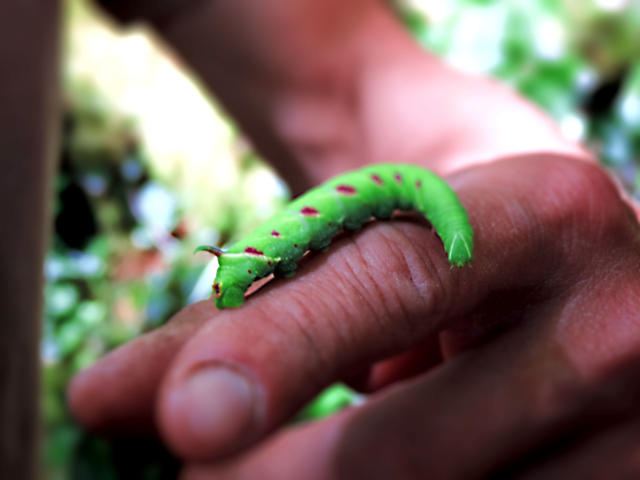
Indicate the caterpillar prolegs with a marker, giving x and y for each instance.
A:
(344, 202)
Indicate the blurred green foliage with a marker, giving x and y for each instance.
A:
(106, 282)
(577, 60)
(119, 264)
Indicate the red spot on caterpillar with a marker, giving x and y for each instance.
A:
(345, 189)
(295, 245)
(398, 178)
(376, 178)
(253, 251)
(418, 184)
(309, 212)
(269, 262)
(275, 233)
(248, 271)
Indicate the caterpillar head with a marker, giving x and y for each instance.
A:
(236, 272)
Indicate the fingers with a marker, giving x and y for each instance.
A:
(381, 292)
(501, 409)
(118, 393)
(288, 343)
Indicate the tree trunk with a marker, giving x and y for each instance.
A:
(29, 41)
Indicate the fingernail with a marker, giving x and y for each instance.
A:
(216, 408)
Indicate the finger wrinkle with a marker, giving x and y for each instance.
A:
(361, 278)
(299, 310)
(370, 261)
(428, 277)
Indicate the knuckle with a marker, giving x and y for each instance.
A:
(580, 210)
(582, 195)
(426, 273)
(398, 275)
(352, 300)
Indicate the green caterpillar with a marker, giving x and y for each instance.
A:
(344, 202)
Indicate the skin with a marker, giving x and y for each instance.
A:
(345, 202)
(524, 364)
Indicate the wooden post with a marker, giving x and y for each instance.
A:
(29, 91)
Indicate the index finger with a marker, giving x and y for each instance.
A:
(378, 293)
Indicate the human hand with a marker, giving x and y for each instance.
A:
(530, 353)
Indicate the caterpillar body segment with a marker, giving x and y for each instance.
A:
(344, 202)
